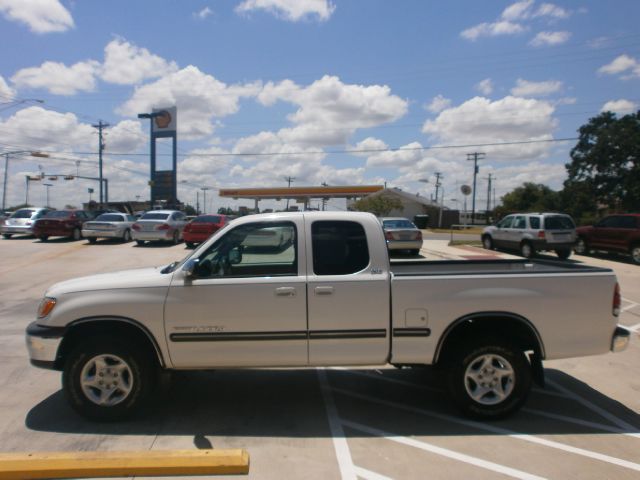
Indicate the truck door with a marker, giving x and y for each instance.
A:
(348, 299)
(245, 304)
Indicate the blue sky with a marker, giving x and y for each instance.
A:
(342, 92)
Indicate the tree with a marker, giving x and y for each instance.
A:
(379, 205)
(530, 197)
(607, 155)
(189, 210)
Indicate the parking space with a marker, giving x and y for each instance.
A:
(372, 423)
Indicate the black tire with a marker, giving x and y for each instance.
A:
(190, 244)
(484, 360)
(77, 234)
(124, 364)
(140, 242)
(487, 242)
(6, 235)
(126, 236)
(92, 239)
(563, 253)
(176, 237)
(635, 253)
(44, 238)
(527, 250)
(415, 252)
(581, 247)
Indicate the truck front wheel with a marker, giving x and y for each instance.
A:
(107, 379)
(489, 380)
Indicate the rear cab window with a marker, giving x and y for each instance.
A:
(339, 247)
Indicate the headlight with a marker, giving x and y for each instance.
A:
(45, 307)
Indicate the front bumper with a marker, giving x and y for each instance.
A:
(43, 344)
(620, 339)
(16, 229)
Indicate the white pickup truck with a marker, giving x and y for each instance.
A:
(317, 289)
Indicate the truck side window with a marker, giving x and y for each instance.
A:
(264, 249)
(339, 247)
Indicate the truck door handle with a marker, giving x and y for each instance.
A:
(286, 292)
(324, 290)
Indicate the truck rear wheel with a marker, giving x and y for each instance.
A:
(107, 379)
(489, 380)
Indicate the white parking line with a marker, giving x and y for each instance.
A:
(591, 406)
(345, 464)
(579, 421)
(498, 430)
(634, 328)
(461, 457)
(369, 475)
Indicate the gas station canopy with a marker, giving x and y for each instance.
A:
(300, 193)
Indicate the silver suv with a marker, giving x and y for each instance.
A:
(530, 232)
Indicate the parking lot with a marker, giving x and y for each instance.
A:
(325, 423)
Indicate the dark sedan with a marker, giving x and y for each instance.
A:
(60, 223)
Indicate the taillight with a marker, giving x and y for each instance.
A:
(164, 226)
(136, 227)
(541, 234)
(419, 235)
(187, 227)
(388, 235)
(617, 300)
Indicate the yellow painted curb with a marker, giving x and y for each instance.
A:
(39, 465)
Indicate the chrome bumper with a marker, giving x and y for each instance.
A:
(620, 339)
(43, 343)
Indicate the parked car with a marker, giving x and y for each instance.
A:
(202, 227)
(402, 234)
(615, 233)
(159, 225)
(109, 225)
(61, 223)
(332, 299)
(272, 238)
(21, 221)
(532, 232)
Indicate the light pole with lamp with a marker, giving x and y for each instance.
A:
(204, 199)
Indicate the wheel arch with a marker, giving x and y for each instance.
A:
(109, 326)
(504, 325)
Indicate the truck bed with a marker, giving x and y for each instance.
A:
(488, 267)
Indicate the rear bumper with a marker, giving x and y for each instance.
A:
(620, 339)
(151, 236)
(404, 244)
(43, 344)
(101, 233)
(52, 232)
(195, 237)
(544, 245)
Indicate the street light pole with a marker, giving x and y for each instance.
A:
(6, 170)
(48, 185)
(204, 199)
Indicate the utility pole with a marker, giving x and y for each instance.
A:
(438, 184)
(289, 180)
(100, 126)
(204, 199)
(324, 199)
(489, 195)
(475, 157)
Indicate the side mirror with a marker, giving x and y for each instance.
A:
(190, 267)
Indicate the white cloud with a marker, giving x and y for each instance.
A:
(198, 96)
(525, 88)
(485, 86)
(125, 136)
(518, 11)
(550, 38)
(480, 121)
(621, 64)
(492, 30)
(41, 16)
(553, 11)
(331, 111)
(6, 92)
(204, 13)
(57, 78)
(125, 63)
(620, 106)
(438, 104)
(38, 128)
(291, 10)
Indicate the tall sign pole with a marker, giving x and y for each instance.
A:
(475, 157)
(100, 126)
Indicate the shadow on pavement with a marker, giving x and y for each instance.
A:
(288, 403)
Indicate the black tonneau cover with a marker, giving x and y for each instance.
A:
(488, 267)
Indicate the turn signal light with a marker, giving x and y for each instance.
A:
(617, 300)
(45, 307)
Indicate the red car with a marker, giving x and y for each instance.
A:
(202, 227)
(60, 223)
(618, 233)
